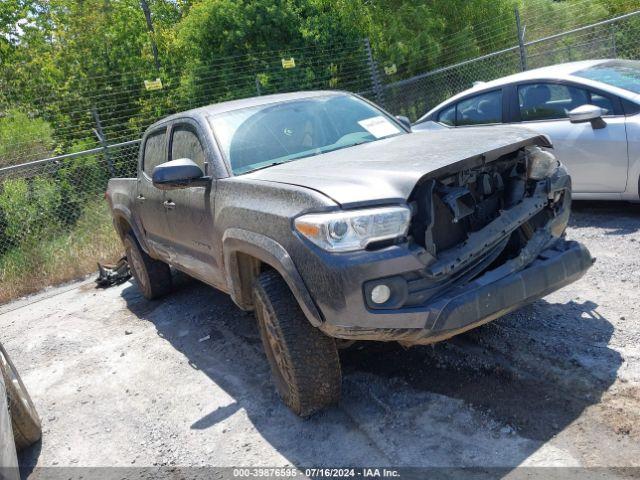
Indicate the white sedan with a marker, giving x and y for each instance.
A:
(590, 110)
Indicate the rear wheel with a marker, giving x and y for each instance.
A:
(304, 362)
(153, 276)
(24, 418)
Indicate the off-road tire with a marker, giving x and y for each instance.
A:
(304, 362)
(152, 276)
(25, 422)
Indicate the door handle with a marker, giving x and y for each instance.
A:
(169, 205)
(141, 198)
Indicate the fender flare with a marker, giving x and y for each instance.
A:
(267, 250)
(122, 212)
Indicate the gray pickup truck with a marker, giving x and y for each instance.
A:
(333, 222)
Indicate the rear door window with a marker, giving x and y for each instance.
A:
(481, 109)
(155, 151)
(448, 116)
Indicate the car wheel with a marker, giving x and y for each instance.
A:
(152, 276)
(24, 418)
(304, 362)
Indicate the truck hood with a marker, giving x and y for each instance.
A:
(386, 171)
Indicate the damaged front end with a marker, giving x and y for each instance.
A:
(488, 239)
(492, 216)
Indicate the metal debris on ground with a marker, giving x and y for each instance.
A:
(113, 274)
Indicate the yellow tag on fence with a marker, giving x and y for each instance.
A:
(288, 63)
(390, 70)
(153, 84)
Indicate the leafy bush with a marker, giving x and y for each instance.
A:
(23, 138)
(28, 209)
(79, 180)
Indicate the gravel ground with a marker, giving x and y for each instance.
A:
(121, 381)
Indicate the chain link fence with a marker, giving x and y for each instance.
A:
(615, 38)
(118, 107)
(54, 221)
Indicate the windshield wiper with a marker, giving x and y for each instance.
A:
(360, 142)
(346, 146)
(273, 164)
(313, 154)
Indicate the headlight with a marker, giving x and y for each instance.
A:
(354, 230)
(542, 164)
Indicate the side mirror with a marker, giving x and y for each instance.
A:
(180, 173)
(588, 113)
(404, 121)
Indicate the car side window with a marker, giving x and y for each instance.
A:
(481, 109)
(547, 101)
(602, 102)
(448, 116)
(186, 144)
(154, 151)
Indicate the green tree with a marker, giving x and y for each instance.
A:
(227, 44)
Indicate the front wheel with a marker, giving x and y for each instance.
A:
(304, 362)
(25, 422)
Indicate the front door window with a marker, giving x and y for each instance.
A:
(549, 101)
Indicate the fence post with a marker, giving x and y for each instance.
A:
(521, 44)
(374, 73)
(152, 35)
(103, 140)
(613, 40)
(258, 90)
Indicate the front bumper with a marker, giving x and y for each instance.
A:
(439, 299)
(484, 299)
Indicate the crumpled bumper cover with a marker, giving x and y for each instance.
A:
(486, 298)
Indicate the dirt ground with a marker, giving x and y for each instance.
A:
(121, 381)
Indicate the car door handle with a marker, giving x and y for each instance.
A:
(169, 205)
(140, 198)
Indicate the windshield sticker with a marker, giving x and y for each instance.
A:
(379, 126)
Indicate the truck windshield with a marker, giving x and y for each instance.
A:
(618, 73)
(257, 137)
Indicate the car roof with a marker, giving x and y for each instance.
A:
(562, 71)
(230, 105)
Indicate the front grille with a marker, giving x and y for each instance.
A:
(451, 208)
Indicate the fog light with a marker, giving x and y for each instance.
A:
(380, 294)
